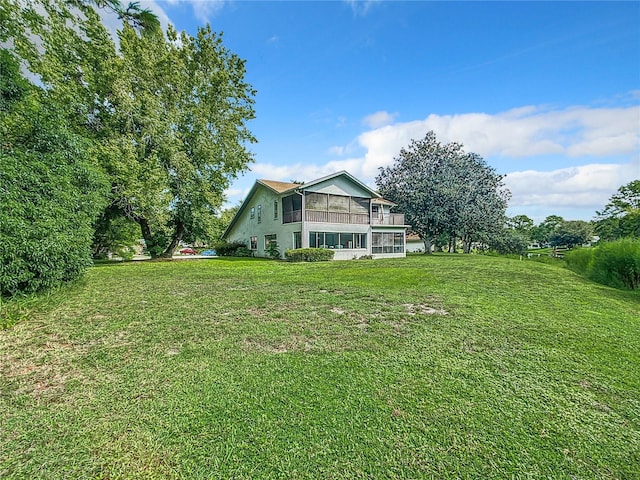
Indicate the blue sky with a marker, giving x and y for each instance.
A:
(548, 93)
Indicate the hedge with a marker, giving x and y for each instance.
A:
(309, 255)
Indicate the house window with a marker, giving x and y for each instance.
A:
(297, 239)
(387, 242)
(259, 213)
(268, 239)
(337, 240)
(254, 243)
(275, 209)
(253, 212)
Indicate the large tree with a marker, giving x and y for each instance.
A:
(621, 215)
(177, 135)
(444, 190)
(571, 233)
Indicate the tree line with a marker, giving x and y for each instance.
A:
(98, 136)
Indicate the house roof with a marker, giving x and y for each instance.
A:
(279, 187)
(383, 201)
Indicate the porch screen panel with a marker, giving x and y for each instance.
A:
(359, 205)
(398, 243)
(291, 204)
(338, 203)
(387, 242)
(376, 243)
(316, 201)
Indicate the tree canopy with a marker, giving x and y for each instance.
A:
(621, 215)
(444, 190)
(177, 134)
(92, 134)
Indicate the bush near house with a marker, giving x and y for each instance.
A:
(309, 255)
(232, 249)
(616, 264)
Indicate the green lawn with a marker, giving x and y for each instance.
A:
(450, 366)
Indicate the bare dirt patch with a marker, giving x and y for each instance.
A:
(423, 309)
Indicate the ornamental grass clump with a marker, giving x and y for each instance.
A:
(616, 264)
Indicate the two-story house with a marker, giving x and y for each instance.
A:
(337, 212)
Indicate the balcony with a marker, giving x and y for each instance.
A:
(322, 216)
(389, 219)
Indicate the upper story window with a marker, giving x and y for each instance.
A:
(275, 209)
(253, 212)
(259, 213)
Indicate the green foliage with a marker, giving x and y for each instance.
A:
(309, 254)
(523, 225)
(231, 249)
(571, 233)
(50, 189)
(177, 133)
(621, 216)
(165, 114)
(114, 234)
(272, 250)
(507, 241)
(580, 260)
(616, 264)
(443, 189)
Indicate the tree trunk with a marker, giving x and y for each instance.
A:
(146, 234)
(427, 246)
(466, 244)
(175, 240)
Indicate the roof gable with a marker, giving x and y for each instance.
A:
(338, 183)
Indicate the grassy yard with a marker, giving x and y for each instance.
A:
(450, 366)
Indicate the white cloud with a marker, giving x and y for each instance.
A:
(379, 119)
(361, 7)
(205, 10)
(587, 186)
(526, 132)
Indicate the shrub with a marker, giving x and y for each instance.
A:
(579, 260)
(507, 242)
(309, 255)
(273, 250)
(617, 264)
(50, 189)
(232, 249)
(244, 252)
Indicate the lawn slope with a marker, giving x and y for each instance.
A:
(446, 366)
